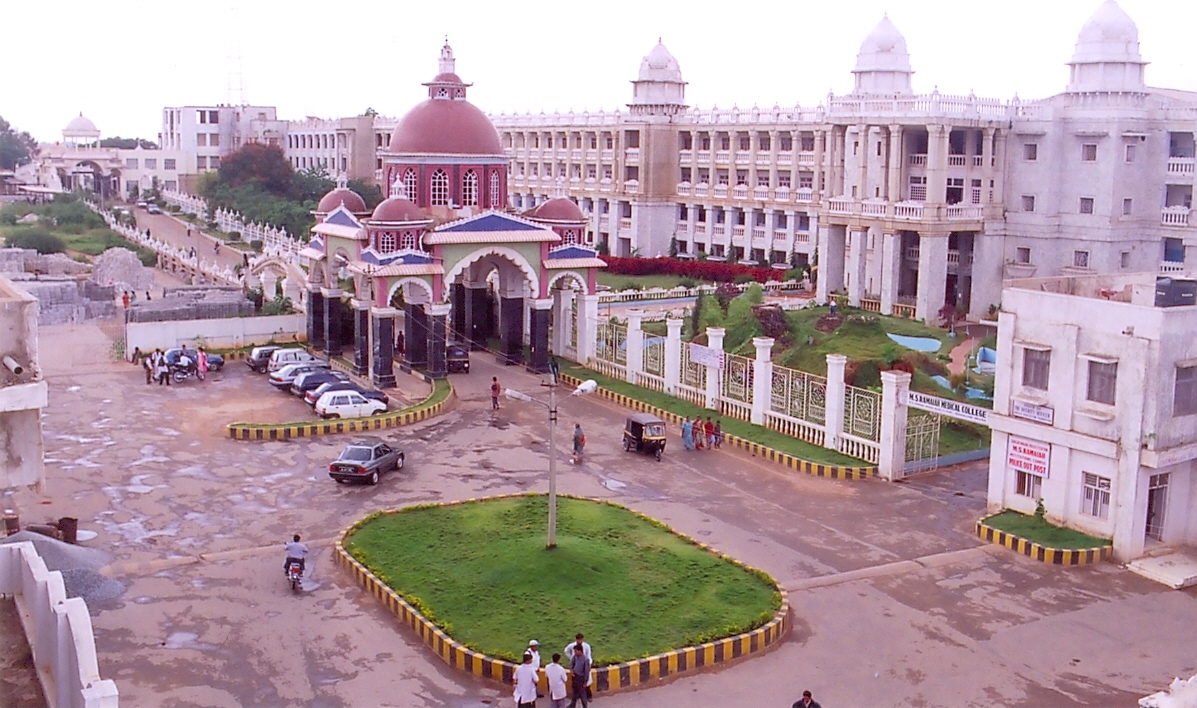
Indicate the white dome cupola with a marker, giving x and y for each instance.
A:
(883, 64)
(659, 87)
(1107, 57)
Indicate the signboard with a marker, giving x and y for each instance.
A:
(707, 356)
(1028, 456)
(952, 409)
(1030, 411)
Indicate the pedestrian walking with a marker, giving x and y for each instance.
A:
(132, 296)
(579, 443)
(188, 232)
(201, 364)
(148, 363)
(581, 647)
(708, 430)
(687, 434)
(125, 299)
(147, 233)
(558, 679)
(147, 296)
(495, 390)
(718, 434)
(806, 702)
(163, 370)
(216, 248)
(579, 674)
(525, 683)
(699, 436)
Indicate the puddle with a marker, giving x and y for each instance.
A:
(614, 485)
(72, 389)
(186, 640)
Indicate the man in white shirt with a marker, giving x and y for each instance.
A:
(296, 551)
(534, 650)
(525, 679)
(558, 679)
(569, 654)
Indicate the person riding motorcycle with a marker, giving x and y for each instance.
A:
(296, 553)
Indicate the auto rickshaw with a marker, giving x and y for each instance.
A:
(457, 358)
(644, 432)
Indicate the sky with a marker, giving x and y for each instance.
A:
(119, 62)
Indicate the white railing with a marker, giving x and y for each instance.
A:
(781, 194)
(1168, 267)
(607, 368)
(978, 161)
(1180, 165)
(631, 187)
(735, 409)
(932, 104)
(591, 154)
(685, 156)
(534, 153)
(683, 189)
(759, 192)
(802, 237)
(1175, 216)
(806, 158)
(743, 158)
(859, 448)
(953, 257)
(740, 191)
(704, 157)
(188, 203)
(693, 395)
(650, 381)
(908, 210)
(784, 158)
(804, 194)
(737, 232)
(700, 228)
(758, 232)
(575, 154)
(780, 234)
(918, 160)
(762, 159)
(213, 271)
(912, 253)
(625, 224)
(872, 208)
(963, 211)
(631, 155)
(839, 205)
(956, 160)
(58, 629)
(812, 433)
(605, 184)
(702, 189)
(722, 157)
(721, 190)
(608, 155)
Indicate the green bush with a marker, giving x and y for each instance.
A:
(688, 283)
(234, 236)
(256, 244)
(37, 239)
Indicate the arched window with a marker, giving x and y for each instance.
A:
(440, 188)
(408, 241)
(569, 237)
(411, 184)
(494, 190)
(386, 242)
(469, 189)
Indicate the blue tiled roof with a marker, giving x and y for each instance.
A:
(340, 217)
(317, 243)
(573, 251)
(405, 258)
(491, 222)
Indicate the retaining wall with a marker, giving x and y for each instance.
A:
(1044, 554)
(58, 630)
(227, 332)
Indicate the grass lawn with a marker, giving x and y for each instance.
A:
(757, 433)
(91, 242)
(956, 436)
(481, 572)
(643, 282)
(1039, 531)
(855, 339)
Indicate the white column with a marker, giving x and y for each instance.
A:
(933, 275)
(762, 378)
(587, 328)
(831, 261)
(894, 387)
(894, 190)
(834, 423)
(856, 267)
(714, 376)
(562, 300)
(635, 346)
(673, 355)
(891, 260)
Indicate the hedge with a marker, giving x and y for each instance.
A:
(714, 271)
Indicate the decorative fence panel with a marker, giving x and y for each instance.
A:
(862, 413)
(654, 356)
(799, 395)
(611, 343)
(737, 378)
(693, 375)
(922, 441)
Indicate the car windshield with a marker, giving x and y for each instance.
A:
(654, 429)
(356, 454)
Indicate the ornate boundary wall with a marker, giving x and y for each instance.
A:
(618, 677)
(1043, 554)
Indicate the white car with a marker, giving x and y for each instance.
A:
(284, 377)
(283, 357)
(348, 404)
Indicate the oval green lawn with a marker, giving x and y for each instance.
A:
(481, 572)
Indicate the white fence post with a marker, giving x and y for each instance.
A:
(587, 328)
(762, 378)
(673, 356)
(714, 375)
(635, 346)
(894, 387)
(834, 417)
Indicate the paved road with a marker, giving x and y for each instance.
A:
(174, 231)
(895, 602)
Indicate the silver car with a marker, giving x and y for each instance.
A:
(364, 462)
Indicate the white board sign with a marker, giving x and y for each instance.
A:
(707, 356)
(1030, 411)
(1031, 456)
(950, 408)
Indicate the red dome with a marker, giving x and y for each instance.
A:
(352, 201)
(446, 127)
(557, 209)
(397, 209)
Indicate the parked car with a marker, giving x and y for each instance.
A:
(284, 377)
(458, 358)
(372, 393)
(142, 204)
(309, 381)
(259, 358)
(153, 208)
(364, 462)
(348, 404)
(215, 361)
(283, 357)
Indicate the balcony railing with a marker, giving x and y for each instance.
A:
(700, 228)
(1180, 165)
(1169, 267)
(802, 237)
(780, 234)
(918, 160)
(683, 189)
(575, 154)
(721, 190)
(737, 232)
(804, 194)
(702, 189)
(625, 224)
(839, 205)
(740, 191)
(743, 158)
(591, 155)
(1175, 216)
(683, 225)
(956, 160)
(722, 157)
(784, 158)
(605, 184)
(962, 211)
(806, 158)
(762, 159)
(912, 253)
(631, 155)
(608, 155)
(704, 157)
(534, 153)
(758, 233)
(760, 192)
(872, 208)
(631, 186)
(781, 194)
(685, 156)
(591, 182)
(908, 210)
(978, 161)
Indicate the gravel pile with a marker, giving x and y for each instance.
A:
(79, 566)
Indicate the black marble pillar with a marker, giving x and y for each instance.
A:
(539, 339)
(437, 331)
(512, 317)
(383, 374)
(333, 313)
(457, 303)
(361, 341)
(315, 319)
(415, 337)
(478, 317)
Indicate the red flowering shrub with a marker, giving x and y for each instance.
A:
(714, 271)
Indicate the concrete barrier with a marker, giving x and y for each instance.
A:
(1043, 554)
(232, 332)
(58, 630)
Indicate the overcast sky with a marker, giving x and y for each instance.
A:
(121, 61)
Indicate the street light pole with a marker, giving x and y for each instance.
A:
(552, 540)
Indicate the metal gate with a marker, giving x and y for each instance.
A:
(922, 442)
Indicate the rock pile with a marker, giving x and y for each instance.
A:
(122, 269)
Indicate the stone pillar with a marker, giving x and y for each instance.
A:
(933, 275)
(333, 313)
(383, 371)
(269, 286)
(891, 261)
(894, 184)
(821, 162)
(511, 318)
(361, 336)
(635, 346)
(438, 331)
(477, 315)
(457, 301)
(673, 355)
(562, 321)
(415, 337)
(315, 318)
(857, 258)
(714, 376)
(291, 291)
(999, 151)
(937, 163)
(986, 165)
(587, 328)
(862, 162)
(894, 387)
(834, 422)
(831, 261)
(762, 378)
(538, 335)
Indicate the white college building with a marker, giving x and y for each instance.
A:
(1095, 407)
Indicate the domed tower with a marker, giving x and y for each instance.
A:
(445, 153)
(81, 132)
(341, 196)
(883, 64)
(397, 224)
(659, 89)
(563, 216)
(1107, 58)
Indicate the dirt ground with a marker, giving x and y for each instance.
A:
(19, 686)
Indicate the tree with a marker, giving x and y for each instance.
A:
(127, 143)
(311, 184)
(370, 112)
(370, 193)
(673, 247)
(261, 164)
(16, 149)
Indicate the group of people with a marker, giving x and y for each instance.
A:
(574, 678)
(697, 435)
(158, 368)
(130, 296)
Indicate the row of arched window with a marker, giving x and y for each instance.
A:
(387, 240)
(439, 195)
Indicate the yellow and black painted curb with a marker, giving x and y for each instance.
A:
(818, 469)
(1043, 554)
(619, 677)
(286, 431)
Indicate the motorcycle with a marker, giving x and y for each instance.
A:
(295, 575)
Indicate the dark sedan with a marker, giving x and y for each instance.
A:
(215, 361)
(364, 462)
(313, 380)
(314, 395)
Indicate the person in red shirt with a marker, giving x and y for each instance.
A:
(708, 429)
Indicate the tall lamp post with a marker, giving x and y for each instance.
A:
(585, 387)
